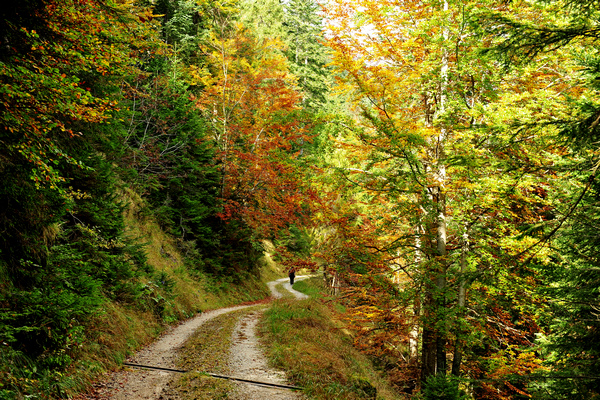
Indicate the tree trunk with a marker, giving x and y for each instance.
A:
(428, 340)
(413, 338)
(434, 334)
(435, 331)
(441, 337)
(461, 302)
(441, 209)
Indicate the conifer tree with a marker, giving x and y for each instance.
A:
(569, 30)
(307, 54)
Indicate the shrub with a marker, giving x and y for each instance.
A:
(443, 387)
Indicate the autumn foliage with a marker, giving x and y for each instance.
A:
(253, 108)
(436, 161)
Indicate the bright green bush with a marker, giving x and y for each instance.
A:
(443, 387)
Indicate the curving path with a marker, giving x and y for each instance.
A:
(247, 360)
(286, 285)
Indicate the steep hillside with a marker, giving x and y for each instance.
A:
(164, 292)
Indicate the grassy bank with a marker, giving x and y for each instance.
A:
(302, 338)
(167, 291)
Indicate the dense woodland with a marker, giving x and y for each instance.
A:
(437, 160)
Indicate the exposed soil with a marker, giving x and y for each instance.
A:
(246, 360)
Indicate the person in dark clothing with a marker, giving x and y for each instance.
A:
(292, 275)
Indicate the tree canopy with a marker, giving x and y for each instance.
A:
(436, 160)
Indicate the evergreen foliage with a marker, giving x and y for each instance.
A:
(306, 52)
(572, 350)
(442, 387)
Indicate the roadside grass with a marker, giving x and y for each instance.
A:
(269, 269)
(310, 287)
(207, 351)
(303, 339)
(181, 293)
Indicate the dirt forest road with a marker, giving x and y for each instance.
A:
(286, 285)
(247, 360)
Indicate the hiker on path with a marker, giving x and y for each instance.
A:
(292, 275)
